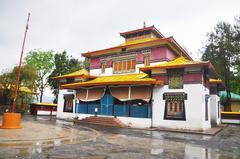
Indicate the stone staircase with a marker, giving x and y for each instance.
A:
(109, 121)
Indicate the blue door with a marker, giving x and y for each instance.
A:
(81, 107)
(106, 104)
(92, 106)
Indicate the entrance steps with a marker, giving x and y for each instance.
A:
(108, 121)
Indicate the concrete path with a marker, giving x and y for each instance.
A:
(41, 138)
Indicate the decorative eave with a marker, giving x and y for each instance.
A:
(73, 76)
(45, 104)
(181, 62)
(215, 81)
(21, 89)
(170, 41)
(151, 28)
(216, 84)
(78, 74)
(130, 79)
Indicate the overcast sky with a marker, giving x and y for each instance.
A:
(78, 26)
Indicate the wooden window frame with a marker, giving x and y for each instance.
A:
(170, 105)
(124, 66)
(68, 99)
(147, 61)
(103, 67)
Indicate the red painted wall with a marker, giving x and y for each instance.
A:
(170, 55)
(158, 53)
(194, 78)
(162, 78)
(109, 63)
(95, 63)
(162, 54)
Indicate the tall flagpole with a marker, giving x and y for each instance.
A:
(19, 67)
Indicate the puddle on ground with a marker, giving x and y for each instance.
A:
(65, 140)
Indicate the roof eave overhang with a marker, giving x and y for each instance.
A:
(172, 66)
(78, 85)
(73, 76)
(159, 42)
(213, 72)
(150, 28)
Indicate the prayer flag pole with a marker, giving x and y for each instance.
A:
(13, 120)
(19, 67)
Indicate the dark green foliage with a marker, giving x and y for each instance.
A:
(222, 50)
(27, 79)
(64, 65)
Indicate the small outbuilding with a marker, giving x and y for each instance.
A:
(43, 109)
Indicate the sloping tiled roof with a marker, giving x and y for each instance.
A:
(234, 96)
(137, 41)
(26, 90)
(178, 62)
(138, 44)
(45, 104)
(80, 73)
(217, 81)
(141, 78)
(181, 62)
(150, 28)
(21, 89)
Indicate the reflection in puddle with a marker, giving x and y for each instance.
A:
(156, 151)
(57, 142)
(64, 141)
(34, 137)
(166, 148)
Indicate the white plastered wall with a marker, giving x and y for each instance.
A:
(194, 108)
(98, 72)
(215, 109)
(60, 113)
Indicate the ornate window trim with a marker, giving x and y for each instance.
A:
(174, 106)
(123, 57)
(126, 66)
(68, 103)
(103, 67)
(146, 52)
(147, 60)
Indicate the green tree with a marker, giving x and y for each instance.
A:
(63, 65)
(222, 51)
(27, 79)
(43, 61)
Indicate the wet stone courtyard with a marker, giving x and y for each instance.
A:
(43, 138)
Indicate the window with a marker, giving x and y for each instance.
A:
(103, 67)
(175, 78)
(124, 49)
(206, 106)
(68, 103)
(147, 61)
(124, 66)
(174, 106)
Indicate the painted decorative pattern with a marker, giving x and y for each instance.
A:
(175, 78)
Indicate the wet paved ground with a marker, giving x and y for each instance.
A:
(59, 139)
